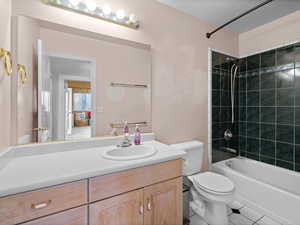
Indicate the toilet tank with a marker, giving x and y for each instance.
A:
(193, 158)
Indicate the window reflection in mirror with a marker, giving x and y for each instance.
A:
(79, 107)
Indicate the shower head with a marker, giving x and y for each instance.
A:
(230, 59)
(234, 61)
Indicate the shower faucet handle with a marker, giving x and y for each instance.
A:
(228, 135)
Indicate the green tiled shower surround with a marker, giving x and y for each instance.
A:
(221, 108)
(268, 93)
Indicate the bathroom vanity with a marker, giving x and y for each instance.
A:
(96, 191)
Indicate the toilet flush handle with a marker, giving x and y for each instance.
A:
(185, 162)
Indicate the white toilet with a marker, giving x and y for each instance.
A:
(211, 191)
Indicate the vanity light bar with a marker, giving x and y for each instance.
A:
(89, 8)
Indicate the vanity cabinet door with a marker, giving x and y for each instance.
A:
(163, 203)
(126, 209)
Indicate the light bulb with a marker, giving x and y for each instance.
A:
(91, 5)
(106, 10)
(120, 14)
(74, 2)
(133, 18)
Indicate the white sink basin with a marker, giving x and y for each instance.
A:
(129, 153)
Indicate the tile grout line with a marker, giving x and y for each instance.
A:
(275, 121)
(246, 108)
(271, 140)
(259, 94)
(259, 219)
(294, 91)
(267, 123)
(239, 112)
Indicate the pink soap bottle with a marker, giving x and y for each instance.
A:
(126, 128)
(137, 135)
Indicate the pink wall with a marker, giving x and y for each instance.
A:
(279, 32)
(5, 9)
(180, 59)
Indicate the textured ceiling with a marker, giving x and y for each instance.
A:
(218, 12)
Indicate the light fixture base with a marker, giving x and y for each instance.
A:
(111, 18)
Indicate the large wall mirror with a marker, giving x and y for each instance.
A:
(73, 85)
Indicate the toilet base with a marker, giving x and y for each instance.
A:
(198, 220)
(215, 213)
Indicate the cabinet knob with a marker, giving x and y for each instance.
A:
(141, 209)
(41, 205)
(149, 207)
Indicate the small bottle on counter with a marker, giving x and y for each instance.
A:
(126, 128)
(137, 135)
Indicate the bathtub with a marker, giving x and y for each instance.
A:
(272, 190)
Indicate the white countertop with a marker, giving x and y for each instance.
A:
(32, 172)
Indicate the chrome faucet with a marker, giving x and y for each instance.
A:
(126, 142)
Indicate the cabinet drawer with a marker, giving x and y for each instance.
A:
(31, 205)
(113, 184)
(77, 216)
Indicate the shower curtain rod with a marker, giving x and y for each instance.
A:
(208, 35)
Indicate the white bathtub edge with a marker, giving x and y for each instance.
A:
(222, 168)
(264, 211)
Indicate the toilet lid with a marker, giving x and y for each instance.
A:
(213, 182)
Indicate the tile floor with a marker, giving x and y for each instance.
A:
(247, 216)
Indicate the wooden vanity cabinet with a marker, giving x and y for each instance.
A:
(150, 195)
(159, 204)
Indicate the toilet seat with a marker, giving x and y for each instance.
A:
(212, 183)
